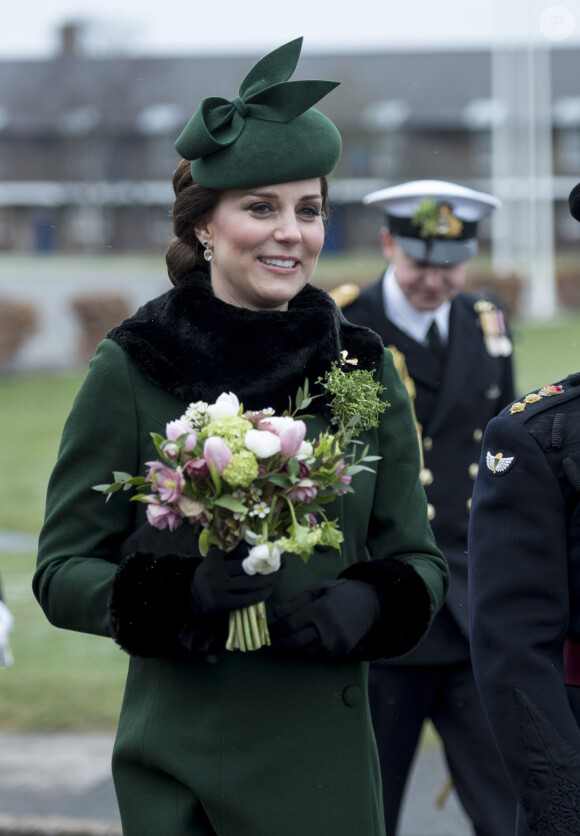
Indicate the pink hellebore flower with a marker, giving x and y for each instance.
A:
(153, 469)
(160, 516)
(343, 477)
(175, 429)
(170, 484)
(171, 451)
(217, 451)
(225, 406)
(303, 491)
(192, 509)
(196, 469)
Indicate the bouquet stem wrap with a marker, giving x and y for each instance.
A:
(248, 628)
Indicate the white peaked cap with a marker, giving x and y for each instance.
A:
(468, 206)
(400, 201)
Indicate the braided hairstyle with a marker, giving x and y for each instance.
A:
(193, 205)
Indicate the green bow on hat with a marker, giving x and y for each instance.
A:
(269, 133)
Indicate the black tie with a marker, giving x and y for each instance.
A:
(435, 342)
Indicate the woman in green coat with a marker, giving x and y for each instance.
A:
(279, 740)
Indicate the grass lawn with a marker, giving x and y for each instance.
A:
(60, 680)
(68, 681)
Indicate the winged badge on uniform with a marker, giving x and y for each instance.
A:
(498, 463)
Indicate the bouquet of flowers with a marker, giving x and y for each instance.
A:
(252, 476)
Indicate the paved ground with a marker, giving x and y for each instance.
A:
(61, 784)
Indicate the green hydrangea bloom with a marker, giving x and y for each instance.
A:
(232, 430)
(241, 470)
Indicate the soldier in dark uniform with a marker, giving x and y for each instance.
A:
(524, 562)
(453, 351)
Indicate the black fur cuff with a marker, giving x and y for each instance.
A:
(151, 612)
(406, 611)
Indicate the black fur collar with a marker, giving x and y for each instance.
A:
(195, 346)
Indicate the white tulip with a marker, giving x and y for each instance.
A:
(305, 451)
(276, 423)
(263, 559)
(226, 406)
(262, 443)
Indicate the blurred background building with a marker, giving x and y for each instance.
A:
(86, 157)
(86, 144)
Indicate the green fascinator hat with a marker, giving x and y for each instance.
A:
(269, 133)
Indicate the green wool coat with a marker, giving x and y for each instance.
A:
(227, 743)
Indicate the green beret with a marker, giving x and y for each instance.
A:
(269, 133)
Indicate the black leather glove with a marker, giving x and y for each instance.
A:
(327, 619)
(220, 583)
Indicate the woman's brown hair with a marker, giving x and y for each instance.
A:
(193, 205)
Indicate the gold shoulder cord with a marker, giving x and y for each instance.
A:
(401, 367)
(345, 294)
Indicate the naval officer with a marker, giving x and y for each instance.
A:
(454, 352)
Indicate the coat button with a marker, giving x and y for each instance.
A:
(473, 468)
(468, 505)
(430, 512)
(426, 476)
(477, 435)
(352, 695)
(427, 443)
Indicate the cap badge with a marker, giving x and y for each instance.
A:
(436, 220)
(498, 463)
(493, 325)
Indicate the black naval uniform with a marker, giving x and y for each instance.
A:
(524, 562)
(453, 404)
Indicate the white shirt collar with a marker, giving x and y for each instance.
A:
(405, 316)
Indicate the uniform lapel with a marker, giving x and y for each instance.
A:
(459, 365)
(421, 364)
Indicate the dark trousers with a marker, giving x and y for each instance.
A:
(401, 698)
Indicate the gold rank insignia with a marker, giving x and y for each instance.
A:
(436, 220)
(551, 389)
(494, 328)
(498, 463)
(345, 294)
(545, 392)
